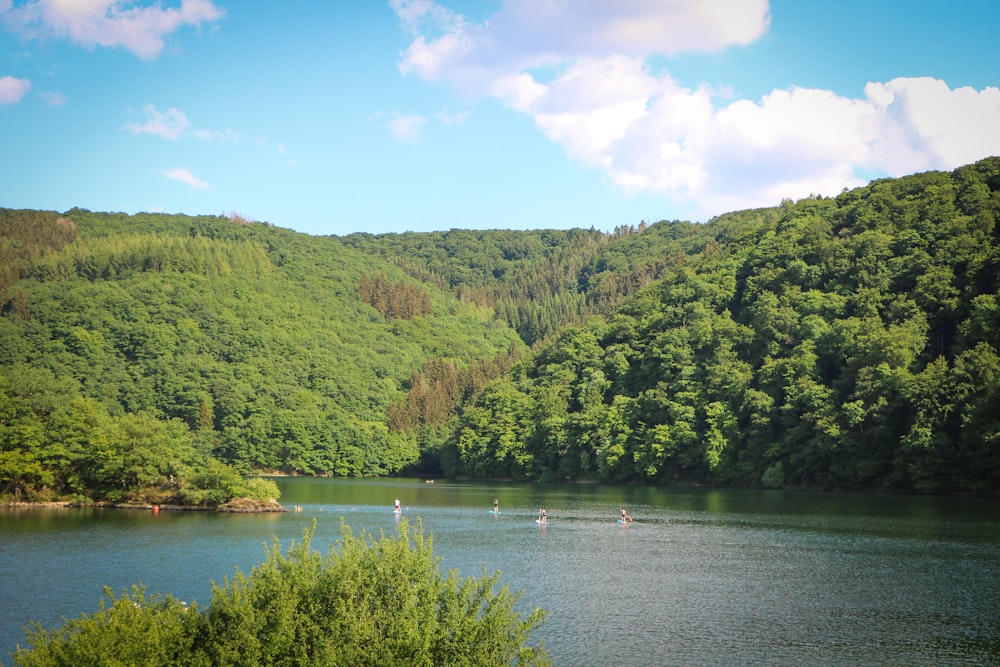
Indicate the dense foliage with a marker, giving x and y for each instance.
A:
(372, 602)
(243, 342)
(847, 342)
(832, 343)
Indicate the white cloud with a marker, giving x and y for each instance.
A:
(185, 176)
(108, 23)
(169, 124)
(526, 34)
(592, 105)
(13, 89)
(652, 136)
(576, 28)
(925, 124)
(580, 69)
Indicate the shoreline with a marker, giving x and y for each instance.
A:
(234, 506)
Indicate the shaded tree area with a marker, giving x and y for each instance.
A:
(434, 398)
(395, 299)
(847, 343)
(367, 602)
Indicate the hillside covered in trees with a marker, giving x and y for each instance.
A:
(848, 342)
(132, 345)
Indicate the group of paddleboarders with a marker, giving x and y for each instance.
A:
(543, 516)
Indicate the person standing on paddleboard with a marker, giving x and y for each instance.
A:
(543, 516)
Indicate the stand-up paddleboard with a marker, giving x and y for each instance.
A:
(494, 511)
(539, 521)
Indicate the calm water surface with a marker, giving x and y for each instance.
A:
(703, 577)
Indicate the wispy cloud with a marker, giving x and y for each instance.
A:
(169, 124)
(107, 23)
(581, 70)
(408, 127)
(173, 124)
(184, 175)
(13, 89)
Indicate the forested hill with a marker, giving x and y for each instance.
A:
(844, 343)
(849, 342)
(252, 343)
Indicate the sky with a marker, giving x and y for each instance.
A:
(334, 117)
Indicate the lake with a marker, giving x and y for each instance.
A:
(702, 577)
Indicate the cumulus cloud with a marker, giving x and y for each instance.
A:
(526, 34)
(107, 23)
(184, 175)
(13, 89)
(581, 69)
(925, 124)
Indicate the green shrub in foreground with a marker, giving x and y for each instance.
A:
(372, 602)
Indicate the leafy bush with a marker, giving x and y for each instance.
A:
(260, 489)
(133, 630)
(372, 602)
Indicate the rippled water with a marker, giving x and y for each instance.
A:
(702, 577)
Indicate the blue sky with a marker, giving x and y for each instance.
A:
(336, 117)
